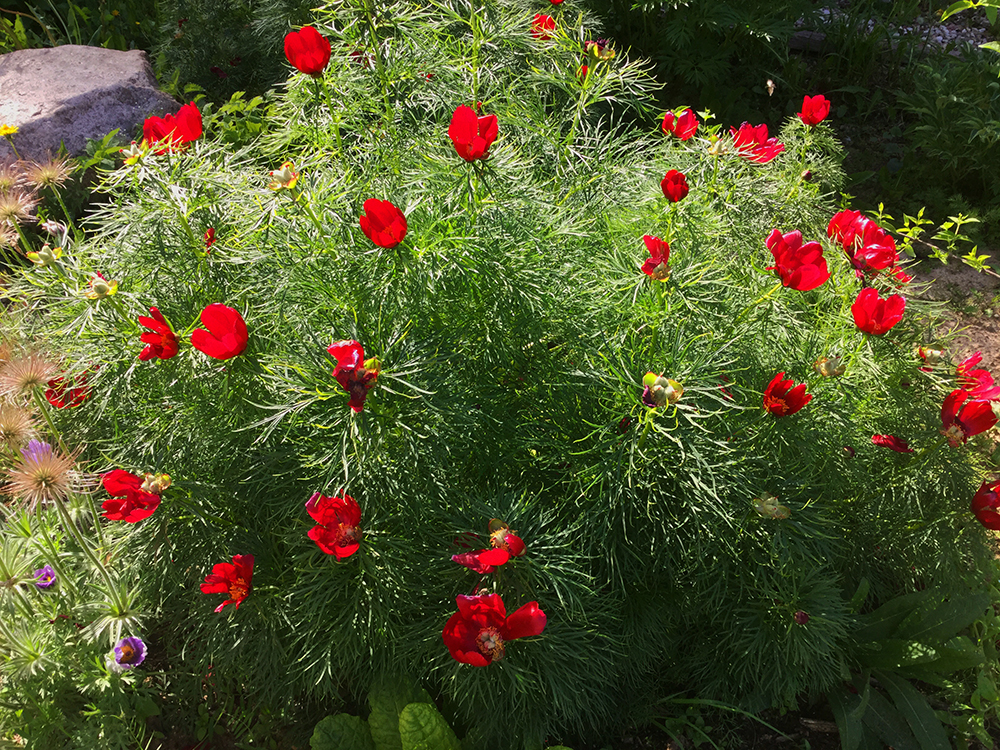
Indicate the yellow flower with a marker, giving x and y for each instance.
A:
(6, 131)
(101, 288)
(767, 505)
(46, 256)
(284, 178)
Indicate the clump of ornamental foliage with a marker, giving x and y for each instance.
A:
(480, 368)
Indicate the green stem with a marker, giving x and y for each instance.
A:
(305, 205)
(69, 219)
(43, 408)
(89, 553)
(10, 140)
(64, 579)
(648, 418)
(335, 114)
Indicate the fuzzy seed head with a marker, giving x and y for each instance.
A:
(16, 207)
(16, 425)
(26, 373)
(44, 475)
(11, 177)
(49, 174)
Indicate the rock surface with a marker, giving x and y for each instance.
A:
(71, 93)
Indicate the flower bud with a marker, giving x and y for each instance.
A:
(660, 391)
(155, 484)
(767, 506)
(830, 367)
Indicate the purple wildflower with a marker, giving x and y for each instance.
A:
(129, 652)
(44, 577)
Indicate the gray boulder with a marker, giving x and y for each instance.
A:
(71, 93)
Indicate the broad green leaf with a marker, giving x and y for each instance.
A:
(947, 619)
(844, 704)
(883, 718)
(946, 661)
(995, 46)
(883, 621)
(341, 732)
(387, 701)
(864, 587)
(955, 8)
(926, 727)
(421, 724)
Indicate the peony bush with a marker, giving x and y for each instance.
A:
(473, 345)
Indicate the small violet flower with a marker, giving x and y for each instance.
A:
(129, 652)
(44, 577)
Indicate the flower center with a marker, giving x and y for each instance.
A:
(490, 643)
(238, 590)
(776, 405)
(955, 435)
(128, 653)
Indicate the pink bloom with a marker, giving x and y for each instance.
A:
(683, 125)
(875, 315)
(226, 336)
(338, 530)
(891, 441)
(752, 143)
(472, 136)
(960, 422)
(478, 633)
(801, 267)
(814, 110)
(674, 185)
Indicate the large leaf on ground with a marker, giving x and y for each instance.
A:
(421, 724)
(847, 709)
(341, 732)
(883, 621)
(883, 718)
(911, 703)
(387, 701)
(947, 619)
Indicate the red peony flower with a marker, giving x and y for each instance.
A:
(978, 382)
(683, 125)
(472, 136)
(659, 253)
(307, 50)
(383, 223)
(501, 537)
(959, 422)
(209, 237)
(752, 143)
(674, 185)
(483, 561)
(869, 247)
(355, 374)
(226, 336)
(173, 132)
(541, 25)
(62, 396)
(129, 501)
(230, 578)
(160, 341)
(783, 397)
(477, 634)
(814, 110)
(891, 441)
(338, 518)
(556, 2)
(986, 504)
(800, 267)
(875, 315)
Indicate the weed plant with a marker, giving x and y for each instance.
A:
(513, 327)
